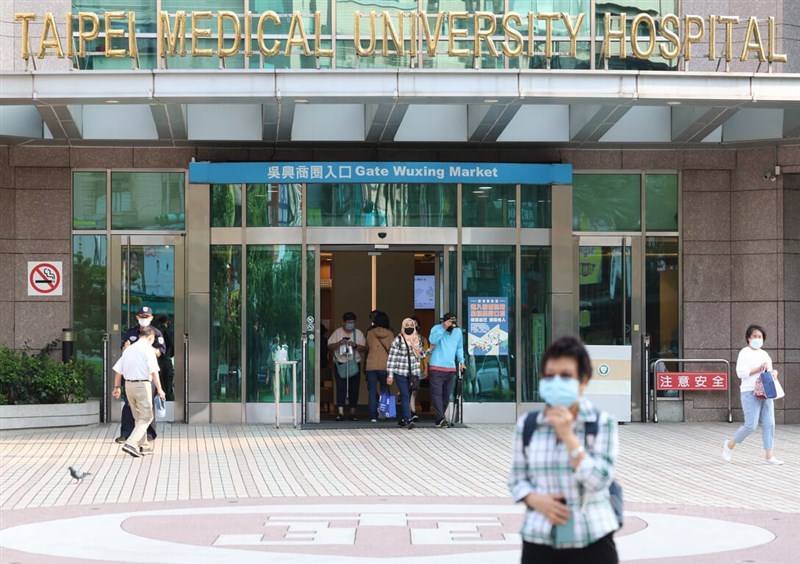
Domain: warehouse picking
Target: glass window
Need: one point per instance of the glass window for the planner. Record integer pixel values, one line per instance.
(489, 272)
(606, 202)
(632, 8)
(561, 49)
(535, 206)
(274, 319)
(226, 323)
(89, 275)
(605, 294)
(314, 349)
(147, 200)
(89, 200)
(662, 282)
(95, 49)
(273, 205)
(661, 202)
(488, 205)
(381, 205)
(535, 330)
(226, 205)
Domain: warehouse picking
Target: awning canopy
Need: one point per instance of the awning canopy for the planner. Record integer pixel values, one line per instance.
(556, 108)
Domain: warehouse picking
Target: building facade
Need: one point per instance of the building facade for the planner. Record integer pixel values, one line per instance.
(525, 164)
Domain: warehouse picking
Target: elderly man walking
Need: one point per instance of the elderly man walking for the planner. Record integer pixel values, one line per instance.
(139, 366)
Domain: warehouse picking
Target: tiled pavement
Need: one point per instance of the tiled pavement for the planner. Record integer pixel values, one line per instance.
(667, 470)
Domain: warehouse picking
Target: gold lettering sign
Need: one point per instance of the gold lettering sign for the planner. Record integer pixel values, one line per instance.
(406, 33)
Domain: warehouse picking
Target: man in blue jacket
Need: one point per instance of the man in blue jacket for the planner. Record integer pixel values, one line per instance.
(448, 348)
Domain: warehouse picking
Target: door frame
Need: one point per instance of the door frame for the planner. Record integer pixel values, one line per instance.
(442, 273)
(635, 243)
(114, 310)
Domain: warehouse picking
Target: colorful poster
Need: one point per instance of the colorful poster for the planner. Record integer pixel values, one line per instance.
(487, 327)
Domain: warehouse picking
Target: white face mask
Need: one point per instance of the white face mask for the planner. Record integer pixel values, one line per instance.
(144, 322)
(756, 343)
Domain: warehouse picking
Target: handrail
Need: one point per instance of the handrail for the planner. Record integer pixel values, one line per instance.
(692, 360)
(186, 377)
(105, 403)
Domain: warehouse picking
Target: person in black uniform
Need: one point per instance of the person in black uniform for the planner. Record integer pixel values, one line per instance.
(145, 317)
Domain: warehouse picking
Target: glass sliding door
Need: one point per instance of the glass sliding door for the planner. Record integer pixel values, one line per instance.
(604, 280)
(147, 270)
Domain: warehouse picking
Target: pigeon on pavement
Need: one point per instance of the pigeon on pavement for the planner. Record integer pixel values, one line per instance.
(78, 475)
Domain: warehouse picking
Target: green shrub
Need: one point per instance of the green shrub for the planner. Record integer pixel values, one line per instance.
(27, 378)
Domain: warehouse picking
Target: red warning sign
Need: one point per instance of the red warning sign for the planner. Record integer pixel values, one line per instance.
(44, 278)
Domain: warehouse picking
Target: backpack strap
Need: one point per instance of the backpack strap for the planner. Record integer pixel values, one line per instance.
(528, 428)
(531, 422)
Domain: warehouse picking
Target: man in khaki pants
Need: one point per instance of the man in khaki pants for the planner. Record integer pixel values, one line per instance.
(139, 366)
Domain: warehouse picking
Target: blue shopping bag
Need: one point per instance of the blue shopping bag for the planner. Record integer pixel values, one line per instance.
(387, 406)
(767, 386)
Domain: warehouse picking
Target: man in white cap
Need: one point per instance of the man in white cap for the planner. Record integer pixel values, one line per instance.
(132, 335)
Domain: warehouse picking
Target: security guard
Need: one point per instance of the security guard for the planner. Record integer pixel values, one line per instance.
(145, 317)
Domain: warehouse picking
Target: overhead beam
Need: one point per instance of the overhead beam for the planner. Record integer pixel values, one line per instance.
(791, 124)
(590, 122)
(692, 124)
(486, 122)
(382, 120)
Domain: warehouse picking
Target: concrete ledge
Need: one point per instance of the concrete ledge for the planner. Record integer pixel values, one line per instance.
(49, 415)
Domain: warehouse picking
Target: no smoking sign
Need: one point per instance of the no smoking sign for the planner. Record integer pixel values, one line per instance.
(44, 278)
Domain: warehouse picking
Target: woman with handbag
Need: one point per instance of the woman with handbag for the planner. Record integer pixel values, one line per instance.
(752, 361)
(403, 366)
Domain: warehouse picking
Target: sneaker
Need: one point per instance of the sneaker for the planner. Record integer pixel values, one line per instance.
(373, 420)
(146, 450)
(442, 424)
(773, 461)
(410, 425)
(131, 450)
(727, 452)
(353, 418)
(414, 417)
(402, 423)
(340, 417)
(120, 439)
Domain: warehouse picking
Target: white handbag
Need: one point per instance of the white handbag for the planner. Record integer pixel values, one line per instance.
(779, 389)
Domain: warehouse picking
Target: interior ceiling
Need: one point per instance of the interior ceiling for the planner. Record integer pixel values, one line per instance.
(552, 108)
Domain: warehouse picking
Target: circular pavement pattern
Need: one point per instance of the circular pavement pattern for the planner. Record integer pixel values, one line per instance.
(363, 530)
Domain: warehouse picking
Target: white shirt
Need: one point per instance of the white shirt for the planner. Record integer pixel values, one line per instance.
(749, 359)
(138, 361)
(338, 335)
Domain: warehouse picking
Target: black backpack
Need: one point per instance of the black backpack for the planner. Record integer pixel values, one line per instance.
(614, 490)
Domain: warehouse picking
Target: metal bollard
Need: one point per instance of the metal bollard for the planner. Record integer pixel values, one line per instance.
(67, 344)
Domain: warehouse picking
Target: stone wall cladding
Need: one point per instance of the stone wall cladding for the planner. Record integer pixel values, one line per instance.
(740, 243)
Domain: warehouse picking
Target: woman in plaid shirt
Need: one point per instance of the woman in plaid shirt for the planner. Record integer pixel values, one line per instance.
(564, 485)
(404, 357)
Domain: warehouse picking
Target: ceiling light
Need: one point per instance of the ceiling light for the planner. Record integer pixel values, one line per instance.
(484, 187)
(673, 103)
(301, 101)
(477, 192)
(112, 101)
(490, 101)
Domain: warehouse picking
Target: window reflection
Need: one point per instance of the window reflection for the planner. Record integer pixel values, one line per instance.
(662, 282)
(381, 205)
(489, 272)
(147, 200)
(226, 331)
(273, 205)
(274, 316)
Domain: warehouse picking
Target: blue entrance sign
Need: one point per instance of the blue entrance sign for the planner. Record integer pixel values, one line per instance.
(487, 327)
(364, 172)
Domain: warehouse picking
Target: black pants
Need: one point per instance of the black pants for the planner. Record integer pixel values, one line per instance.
(127, 424)
(603, 551)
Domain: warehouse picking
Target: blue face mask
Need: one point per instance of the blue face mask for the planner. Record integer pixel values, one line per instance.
(349, 326)
(558, 391)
